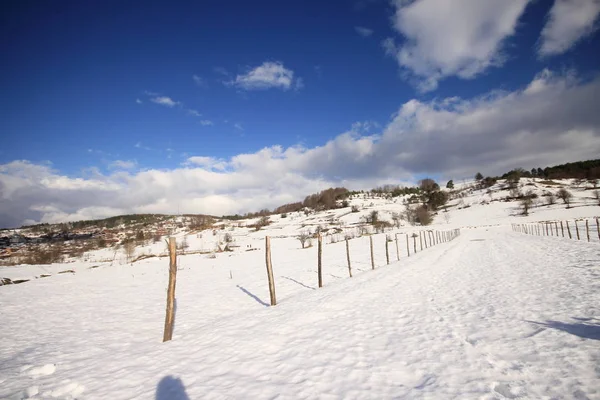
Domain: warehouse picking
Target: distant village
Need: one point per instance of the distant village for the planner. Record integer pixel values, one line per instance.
(20, 245)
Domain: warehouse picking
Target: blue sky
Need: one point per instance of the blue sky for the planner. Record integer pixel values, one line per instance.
(105, 96)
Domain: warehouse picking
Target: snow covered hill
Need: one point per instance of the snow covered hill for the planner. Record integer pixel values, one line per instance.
(492, 314)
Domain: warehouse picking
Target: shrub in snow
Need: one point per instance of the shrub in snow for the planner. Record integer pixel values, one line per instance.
(565, 196)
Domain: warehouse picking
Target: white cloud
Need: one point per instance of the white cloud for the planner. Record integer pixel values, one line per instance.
(362, 31)
(164, 101)
(199, 81)
(194, 113)
(238, 126)
(123, 164)
(138, 101)
(551, 120)
(206, 122)
(568, 22)
(444, 38)
(266, 76)
(139, 145)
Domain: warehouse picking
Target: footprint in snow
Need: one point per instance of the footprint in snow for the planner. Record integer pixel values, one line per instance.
(508, 391)
(44, 370)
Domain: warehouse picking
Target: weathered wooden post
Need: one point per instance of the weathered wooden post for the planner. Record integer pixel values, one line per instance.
(170, 315)
(319, 264)
(270, 270)
(598, 228)
(425, 238)
(562, 229)
(587, 230)
(387, 251)
(372, 257)
(415, 242)
(407, 246)
(348, 257)
(546, 228)
(556, 227)
(421, 240)
(569, 230)
(577, 230)
(397, 248)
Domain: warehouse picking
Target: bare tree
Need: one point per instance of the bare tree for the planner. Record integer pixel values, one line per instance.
(303, 238)
(373, 217)
(447, 217)
(597, 196)
(129, 249)
(550, 199)
(424, 217)
(396, 217)
(526, 203)
(565, 196)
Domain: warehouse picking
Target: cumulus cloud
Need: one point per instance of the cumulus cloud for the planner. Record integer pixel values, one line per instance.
(443, 38)
(551, 120)
(568, 22)
(268, 75)
(206, 122)
(164, 101)
(362, 31)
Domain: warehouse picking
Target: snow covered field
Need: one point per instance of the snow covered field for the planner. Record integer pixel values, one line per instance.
(493, 314)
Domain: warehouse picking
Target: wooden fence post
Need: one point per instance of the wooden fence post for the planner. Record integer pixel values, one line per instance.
(407, 246)
(319, 265)
(170, 314)
(587, 230)
(415, 242)
(270, 270)
(348, 257)
(577, 230)
(598, 228)
(569, 230)
(372, 258)
(431, 239)
(425, 238)
(556, 227)
(387, 251)
(397, 248)
(562, 229)
(546, 228)
(421, 240)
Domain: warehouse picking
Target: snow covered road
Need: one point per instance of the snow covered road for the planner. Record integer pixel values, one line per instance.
(493, 314)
